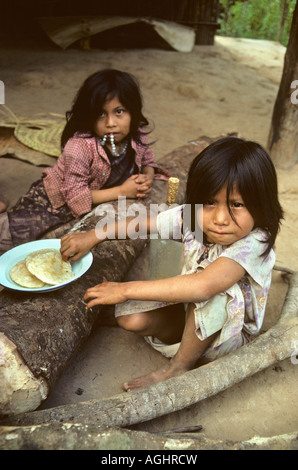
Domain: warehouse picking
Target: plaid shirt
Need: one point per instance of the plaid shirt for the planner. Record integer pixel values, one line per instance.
(84, 166)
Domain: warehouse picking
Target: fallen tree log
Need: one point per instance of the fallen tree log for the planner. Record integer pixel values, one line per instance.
(126, 409)
(70, 436)
(40, 333)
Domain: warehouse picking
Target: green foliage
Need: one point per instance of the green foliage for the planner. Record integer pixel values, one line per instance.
(257, 19)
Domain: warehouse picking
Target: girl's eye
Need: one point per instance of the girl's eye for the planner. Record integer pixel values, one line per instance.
(237, 204)
(120, 111)
(209, 203)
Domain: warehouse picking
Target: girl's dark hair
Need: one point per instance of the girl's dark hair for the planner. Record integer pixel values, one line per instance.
(91, 97)
(246, 164)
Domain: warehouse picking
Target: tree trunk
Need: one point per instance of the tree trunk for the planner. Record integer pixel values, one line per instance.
(284, 10)
(90, 437)
(42, 332)
(283, 136)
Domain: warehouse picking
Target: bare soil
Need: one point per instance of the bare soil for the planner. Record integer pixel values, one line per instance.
(228, 87)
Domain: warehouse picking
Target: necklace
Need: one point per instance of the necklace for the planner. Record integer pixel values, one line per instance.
(205, 253)
(114, 152)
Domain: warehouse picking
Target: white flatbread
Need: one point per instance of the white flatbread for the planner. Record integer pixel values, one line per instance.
(21, 276)
(39, 252)
(48, 266)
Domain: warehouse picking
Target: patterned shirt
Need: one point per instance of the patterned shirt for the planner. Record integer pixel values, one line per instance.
(122, 167)
(245, 301)
(84, 166)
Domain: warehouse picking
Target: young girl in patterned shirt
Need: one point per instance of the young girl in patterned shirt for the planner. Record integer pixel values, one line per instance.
(218, 301)
(105, 155)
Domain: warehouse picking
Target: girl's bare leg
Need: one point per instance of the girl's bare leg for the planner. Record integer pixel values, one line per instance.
(189, 352)
(166, 323)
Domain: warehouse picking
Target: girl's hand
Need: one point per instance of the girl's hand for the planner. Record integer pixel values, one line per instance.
(107, 293)
(76, 245)
(136, 186)
(130, 188)
(145, 183)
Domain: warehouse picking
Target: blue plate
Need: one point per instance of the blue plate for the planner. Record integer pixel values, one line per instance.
(13, 256)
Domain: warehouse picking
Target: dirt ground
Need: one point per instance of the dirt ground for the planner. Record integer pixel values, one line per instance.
(228, 87)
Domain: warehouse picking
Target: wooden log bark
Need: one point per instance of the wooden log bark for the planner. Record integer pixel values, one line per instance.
(44, 331)
(283, 136)
(69, 436)
(127, 409)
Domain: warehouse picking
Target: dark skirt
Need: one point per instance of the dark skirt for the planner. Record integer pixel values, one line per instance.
(33, 217)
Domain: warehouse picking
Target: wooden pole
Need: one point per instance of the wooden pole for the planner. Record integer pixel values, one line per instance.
(70, 436)
(283, 136)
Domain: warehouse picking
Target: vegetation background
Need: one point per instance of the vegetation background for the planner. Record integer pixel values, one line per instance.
(256, 19)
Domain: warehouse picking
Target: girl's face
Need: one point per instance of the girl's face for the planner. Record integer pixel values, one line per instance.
(113, 119)
(218, 225)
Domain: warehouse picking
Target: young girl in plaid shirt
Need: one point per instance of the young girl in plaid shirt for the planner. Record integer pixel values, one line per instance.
(105, 155)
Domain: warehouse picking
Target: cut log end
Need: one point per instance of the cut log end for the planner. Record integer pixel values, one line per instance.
(20, 391)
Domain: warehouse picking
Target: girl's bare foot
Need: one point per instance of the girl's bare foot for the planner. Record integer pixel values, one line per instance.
(159, 375)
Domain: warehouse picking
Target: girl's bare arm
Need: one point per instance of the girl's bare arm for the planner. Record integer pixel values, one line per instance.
(76, 245)
(149, 172)
(196, 287)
